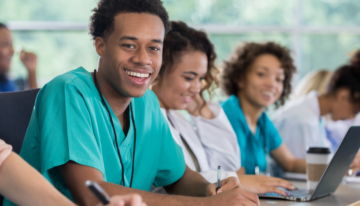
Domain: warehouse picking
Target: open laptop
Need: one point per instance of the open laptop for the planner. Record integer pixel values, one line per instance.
(333, 174)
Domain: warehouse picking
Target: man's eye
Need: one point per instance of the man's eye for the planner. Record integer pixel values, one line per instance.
(130, 46)
(261, 74)
(155, 48)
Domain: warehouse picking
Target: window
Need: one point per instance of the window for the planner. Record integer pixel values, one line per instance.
(321, 33)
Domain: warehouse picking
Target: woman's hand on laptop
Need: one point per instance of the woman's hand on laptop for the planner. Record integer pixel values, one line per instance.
(261, 184)
(355, 165)
(5, 151)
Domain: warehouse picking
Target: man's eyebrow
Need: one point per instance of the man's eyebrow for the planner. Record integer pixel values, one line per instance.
(135, 39)
(129, 38)
(157, 41)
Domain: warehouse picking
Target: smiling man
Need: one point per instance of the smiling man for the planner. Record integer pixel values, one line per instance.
(106, 126)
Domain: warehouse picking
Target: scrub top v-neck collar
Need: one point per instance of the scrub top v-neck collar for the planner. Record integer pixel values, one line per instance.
(123, 140)
(242, 118)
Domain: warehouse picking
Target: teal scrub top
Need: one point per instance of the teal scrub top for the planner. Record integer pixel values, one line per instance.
(70, 123)
(253, 148)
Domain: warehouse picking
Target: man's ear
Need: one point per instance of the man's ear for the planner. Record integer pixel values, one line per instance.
(100, 46)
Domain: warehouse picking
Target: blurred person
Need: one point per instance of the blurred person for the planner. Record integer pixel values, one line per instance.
(256, 76)
(107, 126)
(301, 122)
(6, 53)
(335, 131)
(207, 140)
(317, 80)
(23, 185)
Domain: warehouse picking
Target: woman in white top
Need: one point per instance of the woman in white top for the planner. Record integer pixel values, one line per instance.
(335, 130)
(23, 185)
(301, 122)
(187, 71)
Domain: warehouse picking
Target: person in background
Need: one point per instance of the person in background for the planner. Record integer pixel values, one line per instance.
(107, 126)
(6, 53)
(317, 80)
(24, 186)
(256, 76)
(335, 130)
(301, 122)
(206, 138)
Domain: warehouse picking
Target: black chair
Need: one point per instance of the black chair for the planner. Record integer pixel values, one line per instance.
(15, 112)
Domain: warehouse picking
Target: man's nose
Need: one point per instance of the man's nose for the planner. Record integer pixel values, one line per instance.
(142, 57)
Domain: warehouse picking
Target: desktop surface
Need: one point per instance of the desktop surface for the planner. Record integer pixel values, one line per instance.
(345, 194)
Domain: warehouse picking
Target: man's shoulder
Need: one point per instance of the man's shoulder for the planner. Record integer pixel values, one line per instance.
(73, 83)
(77, 75)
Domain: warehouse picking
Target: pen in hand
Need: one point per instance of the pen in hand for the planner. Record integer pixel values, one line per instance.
(98, 192)
(218, 178)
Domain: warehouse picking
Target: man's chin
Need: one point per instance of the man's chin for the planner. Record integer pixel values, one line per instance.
(136, 93)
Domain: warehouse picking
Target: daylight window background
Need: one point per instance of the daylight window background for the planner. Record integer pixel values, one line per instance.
(322, 34)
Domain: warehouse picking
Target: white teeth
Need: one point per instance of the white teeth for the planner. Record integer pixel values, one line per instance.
(136, 74)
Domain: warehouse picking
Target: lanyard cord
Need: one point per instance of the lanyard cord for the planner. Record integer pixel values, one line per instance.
(117, 146)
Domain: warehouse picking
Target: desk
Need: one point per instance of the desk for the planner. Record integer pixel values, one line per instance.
(344, 195)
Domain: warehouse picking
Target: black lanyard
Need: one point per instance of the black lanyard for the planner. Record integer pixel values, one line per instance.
(117, 146)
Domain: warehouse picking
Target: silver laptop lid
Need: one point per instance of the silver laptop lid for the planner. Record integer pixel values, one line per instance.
(339, 164)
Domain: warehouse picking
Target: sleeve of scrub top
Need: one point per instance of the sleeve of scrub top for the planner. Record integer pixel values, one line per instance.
(171, 164)
(219, 140)
(66, 129)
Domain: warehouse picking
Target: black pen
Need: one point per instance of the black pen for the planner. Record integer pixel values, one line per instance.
(98, 192)
(218, 178)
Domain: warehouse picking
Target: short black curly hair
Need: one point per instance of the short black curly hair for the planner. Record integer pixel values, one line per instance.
(102, 21)
(238, 65)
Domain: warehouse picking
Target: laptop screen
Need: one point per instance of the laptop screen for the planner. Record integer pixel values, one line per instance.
(340, 163)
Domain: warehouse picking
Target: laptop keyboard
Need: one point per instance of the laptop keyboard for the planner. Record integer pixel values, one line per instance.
(300, 192)
(294, 193)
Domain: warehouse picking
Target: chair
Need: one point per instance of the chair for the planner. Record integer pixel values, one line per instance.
(15, 113)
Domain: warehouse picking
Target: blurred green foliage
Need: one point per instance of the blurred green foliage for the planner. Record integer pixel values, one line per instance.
(61, 51)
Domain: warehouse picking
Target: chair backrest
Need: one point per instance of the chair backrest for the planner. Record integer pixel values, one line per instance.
(15, 112)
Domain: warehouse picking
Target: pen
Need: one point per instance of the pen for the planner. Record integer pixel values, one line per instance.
(218, 178)
(98, 192)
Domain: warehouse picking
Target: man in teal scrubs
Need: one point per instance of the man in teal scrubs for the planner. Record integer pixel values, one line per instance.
(106, 126)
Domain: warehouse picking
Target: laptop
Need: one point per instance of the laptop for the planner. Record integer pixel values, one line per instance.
(333, 174)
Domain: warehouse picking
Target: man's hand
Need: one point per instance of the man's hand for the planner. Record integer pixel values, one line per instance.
(225, 185)
(234, 197)
(5, 151)
(261, 184)
(126, 200)
(29, 60)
